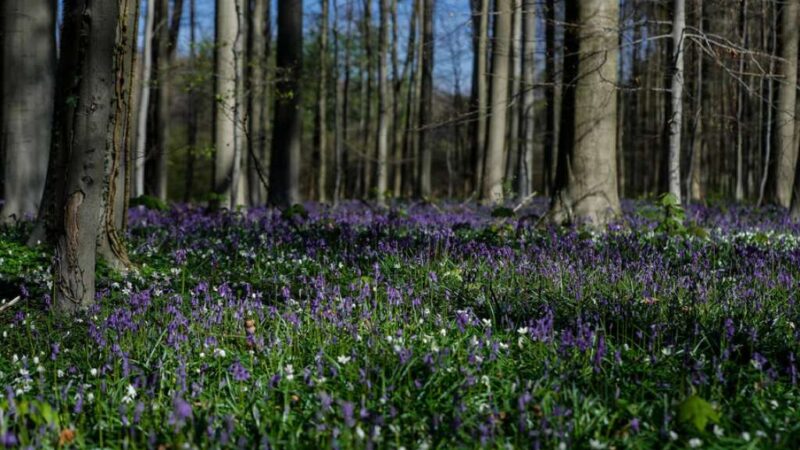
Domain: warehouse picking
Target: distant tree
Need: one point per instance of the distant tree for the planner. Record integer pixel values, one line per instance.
(480, 90)
(525, 163)
(586, 178)
(426, 101)
(258, 79)
(288, 125)
(676, 93)
(321, 119)
(384, 104)
(28, 61)
(140, 154)
(226, 95)
(785, 148)
(494, 167)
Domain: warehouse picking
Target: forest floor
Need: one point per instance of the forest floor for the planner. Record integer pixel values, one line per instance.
(415, 327)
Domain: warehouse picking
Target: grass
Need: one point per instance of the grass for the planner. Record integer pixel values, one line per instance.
(414, 328)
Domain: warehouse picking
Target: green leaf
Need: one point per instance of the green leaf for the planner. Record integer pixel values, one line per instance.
(698, 412)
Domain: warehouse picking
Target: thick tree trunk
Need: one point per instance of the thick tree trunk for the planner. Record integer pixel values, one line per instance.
(525, 164)
(90, 76)
(480, 90)
(494, 167)
(28, 61)
(785, 150)
(587, 172)
(225, 99)
(426, 101)
(322, 108)
(288, 127)
(676, 98)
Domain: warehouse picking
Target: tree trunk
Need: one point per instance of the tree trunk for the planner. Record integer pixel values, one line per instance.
(693, 183)
(676, 94)
(785, 150)
(426, 101)
(239, 178)
(140, 154)
(494, 167)
(89, 75)
(158, 115)
(525, 164)
(257, 106)
(225, 99)
(396, 85)
(384, 104)
(191, 122)
(288, 128)
(550, 97)
(513, 116)
(480, 90)
(740, 106)
(321, 116)
(587, 172)
(28, 59)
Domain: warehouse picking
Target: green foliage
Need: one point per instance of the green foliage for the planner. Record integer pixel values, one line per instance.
(503, 211)
(673, 219)
(697, 412)
(296, 210)
(149, 202)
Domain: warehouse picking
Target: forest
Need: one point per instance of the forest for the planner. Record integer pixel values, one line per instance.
(404, 224)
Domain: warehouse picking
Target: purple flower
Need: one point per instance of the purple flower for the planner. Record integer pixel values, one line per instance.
(347, 413)
(9, 440)
(181, 411)
(238, 372)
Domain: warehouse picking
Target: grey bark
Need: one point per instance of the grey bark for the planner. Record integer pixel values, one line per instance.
(480, 90)
(28, 59)
(158, 128)
(676, 98)
(288, 125)
(90, 76)
(139, 155)
(225, 96)
(494, 168)
(384, 104)
(426, 100)
(513, 138)
(587, 174)
(785, 150)
(525, 164)
(257, 100)
(322, 107)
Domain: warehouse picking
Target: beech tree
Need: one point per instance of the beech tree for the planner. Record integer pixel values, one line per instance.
(586, 176)
(28, 61)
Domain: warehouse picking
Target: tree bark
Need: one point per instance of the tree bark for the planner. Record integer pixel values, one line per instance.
(740, 106)
(480, 90)
(384, 104)
(28, 61)
(288, 125)
(158, 115)
(494, 167)
(140, 154)
(90, 76)
(676, 98)
(513, 137)
(785, 150)
(322, 116)
(550, 132)
(525, 164)
(257, 106)
(225, 99)
(426, 101)
(587, 172)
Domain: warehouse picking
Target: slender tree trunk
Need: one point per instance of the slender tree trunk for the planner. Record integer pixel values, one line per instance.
(140, 155)
(512, 149)
(587, 173)
(768, 126)
(480, 90)
(288, 128)
(676, 94)
(158, 115)
(785, 150)
(240, 114)
(396, 146)
(494, 167)
(384, 104)
(740, 106)
(90, 75)
(191, 123)
(426, 101)
(367, 158)
(257, 100)
(693, 182)
(525, 164)
(342, 101)
(322, 107)
(28, 63)
(550, 97)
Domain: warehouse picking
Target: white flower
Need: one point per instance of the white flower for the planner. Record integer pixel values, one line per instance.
(695, 442)
(219, 353)
(523, 330)
(60, 373)
(673, 436)
(90, 397)
(562, 446)
(443, 332)
(487, 323)
(93, 372)
(596, 445)
(343, 359)
(130, 395)
(360, 433)
(36, 360)
(761, 434)
(503, 345)
(718, 431)
(773, 404)
(745, 436)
